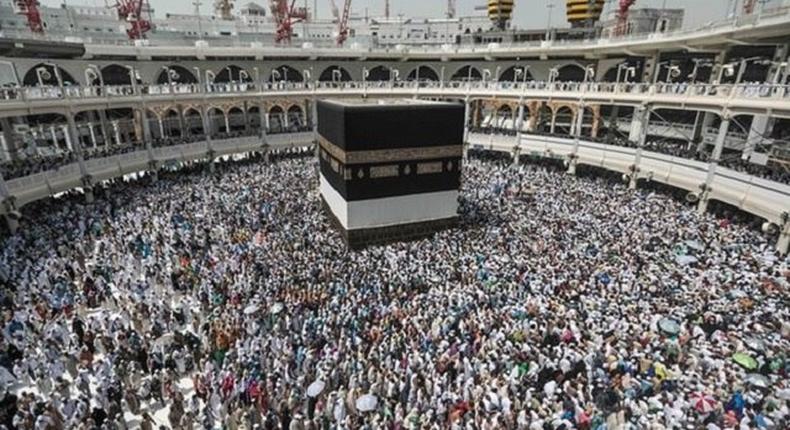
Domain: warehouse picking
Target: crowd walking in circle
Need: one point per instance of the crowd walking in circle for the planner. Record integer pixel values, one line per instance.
(225, 300)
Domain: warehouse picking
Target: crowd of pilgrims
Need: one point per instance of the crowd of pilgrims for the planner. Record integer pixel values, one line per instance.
(225, 300)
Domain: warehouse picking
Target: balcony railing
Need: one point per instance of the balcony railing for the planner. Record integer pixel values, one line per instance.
(751, 91)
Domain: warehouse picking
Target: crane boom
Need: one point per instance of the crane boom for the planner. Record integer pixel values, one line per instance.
(342, 25)
(131, 11)
(285, 16)
(29, 8)
(622, 17)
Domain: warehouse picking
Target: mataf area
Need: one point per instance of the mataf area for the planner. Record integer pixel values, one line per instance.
(207, 300)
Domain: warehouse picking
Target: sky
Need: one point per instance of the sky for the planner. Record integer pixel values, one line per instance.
(527, 13)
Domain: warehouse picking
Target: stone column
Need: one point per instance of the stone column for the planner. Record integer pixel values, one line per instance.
(714, 163)
(613, 123)
(553, 121)
(5, 198)
(762, 126)
(116, 132)
(6, 140)
(92, 135)
(204, 117)
(264, 122)
(104, 128)
(87, 183)
(54, 134)
(161, 127)
(467, 112)
(246, 117)
(67, 136)
(519, 122)
(576, 131)
(640, 123)
(783, 243)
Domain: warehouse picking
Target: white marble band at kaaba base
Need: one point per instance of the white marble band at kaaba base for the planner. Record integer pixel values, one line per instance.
(390, 211)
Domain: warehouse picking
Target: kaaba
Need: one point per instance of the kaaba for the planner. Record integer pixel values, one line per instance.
(390, 170)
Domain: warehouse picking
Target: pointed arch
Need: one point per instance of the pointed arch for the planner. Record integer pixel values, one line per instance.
(516, 74)
(334, 73)
(232, 73)
(178, 75)
(379, 74)
(570, 73)
(285, 73)
(467, 73)
(46, 74)
(423, 73)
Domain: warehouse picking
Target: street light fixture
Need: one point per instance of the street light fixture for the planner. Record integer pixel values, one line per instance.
(698, 63)
(96, 72)
(554, 73)
(673, 72)
(132, 78)
(629, 70)
(589, 73)
(779, 68)
(42, 73)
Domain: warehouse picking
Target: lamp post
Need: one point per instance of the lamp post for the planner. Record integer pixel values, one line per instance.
(275, 75)
(554, 72)
(132, 78)
(525, 73)
(697, 65)
(620, 68)
(57, 73)
(744, 63)
(171, 74)
(658, 70)
(673, 72)
(210, 77)
(97, 75)
(42, 71)
(199, 74)
(780, 66)
(589, 73)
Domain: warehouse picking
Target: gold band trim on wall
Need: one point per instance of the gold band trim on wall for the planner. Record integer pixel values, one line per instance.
(389, 155)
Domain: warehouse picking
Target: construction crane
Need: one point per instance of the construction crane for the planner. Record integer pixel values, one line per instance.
(342, 23)
(499, 12)
(223, 9)
(29, 8)
(621, 23)
(131, 11)
(286, 15)
(450, 8)
(748, 6)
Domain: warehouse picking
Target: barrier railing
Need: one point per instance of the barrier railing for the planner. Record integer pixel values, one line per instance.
(763, 91)
(762, 197)
(36, 186)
